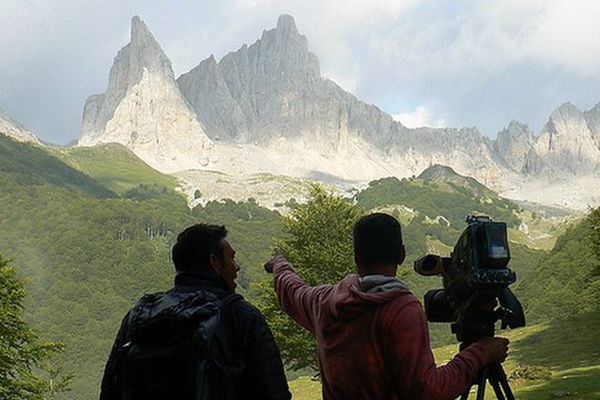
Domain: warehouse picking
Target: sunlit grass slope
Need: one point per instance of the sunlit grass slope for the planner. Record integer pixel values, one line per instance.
(114, 166)
(566, 350)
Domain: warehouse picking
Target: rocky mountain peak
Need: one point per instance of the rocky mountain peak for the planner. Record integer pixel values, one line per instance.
(207, 66)
(515, 129)
(565, 144)
(594, 111)
(446, 175)
(139, 30)
(286, 25)
(565, 113)
(258, 91)
(593, 119)
(566, 121)
(513, 143)
(285, 40)
(143, 51)
(141, 56)
(143, 108)
(438, 173)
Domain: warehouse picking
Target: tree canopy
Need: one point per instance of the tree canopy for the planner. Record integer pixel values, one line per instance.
(318, 242)
(24, 370)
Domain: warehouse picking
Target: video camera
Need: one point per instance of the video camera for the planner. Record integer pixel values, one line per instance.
(475, 279)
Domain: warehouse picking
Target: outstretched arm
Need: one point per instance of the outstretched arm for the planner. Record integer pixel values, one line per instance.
(297, 299)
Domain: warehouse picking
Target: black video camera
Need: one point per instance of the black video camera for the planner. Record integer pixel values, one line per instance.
(476, 279)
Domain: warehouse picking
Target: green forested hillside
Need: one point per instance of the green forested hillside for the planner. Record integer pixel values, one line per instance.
(87, 258)
(433, 198)
(25, 165)
(90, 230)
(566, 281)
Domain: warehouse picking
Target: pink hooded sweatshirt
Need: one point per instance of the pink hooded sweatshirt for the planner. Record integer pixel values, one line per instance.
(373, 345)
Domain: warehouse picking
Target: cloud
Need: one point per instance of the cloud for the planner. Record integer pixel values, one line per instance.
(420, 117)
(482, 63)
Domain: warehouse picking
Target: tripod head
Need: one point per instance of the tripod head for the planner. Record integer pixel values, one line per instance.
(477, 317)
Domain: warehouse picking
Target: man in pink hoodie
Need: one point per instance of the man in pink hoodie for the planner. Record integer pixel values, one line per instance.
(371, 331)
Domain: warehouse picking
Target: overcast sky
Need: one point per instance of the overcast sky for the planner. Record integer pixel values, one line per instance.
(435, 63)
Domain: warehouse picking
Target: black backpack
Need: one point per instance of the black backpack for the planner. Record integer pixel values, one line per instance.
(171, 351)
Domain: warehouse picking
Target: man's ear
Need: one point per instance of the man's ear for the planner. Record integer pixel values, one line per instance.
(402, 254)
(215, 263)
(358, 261)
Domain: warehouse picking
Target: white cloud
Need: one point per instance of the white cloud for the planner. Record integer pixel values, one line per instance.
(567, 34)
(420, 117)
(484, 36)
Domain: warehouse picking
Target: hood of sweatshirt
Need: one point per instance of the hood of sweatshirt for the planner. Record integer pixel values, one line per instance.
(354, 296)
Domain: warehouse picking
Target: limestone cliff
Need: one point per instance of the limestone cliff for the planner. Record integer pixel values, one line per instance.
(513, 144)
(143, 109)
(565, 145)
(265, 108)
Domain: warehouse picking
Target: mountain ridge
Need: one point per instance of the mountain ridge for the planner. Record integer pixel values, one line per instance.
(265, 108)
(11, 128)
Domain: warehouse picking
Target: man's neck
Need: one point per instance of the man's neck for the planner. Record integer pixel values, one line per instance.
(385, 270)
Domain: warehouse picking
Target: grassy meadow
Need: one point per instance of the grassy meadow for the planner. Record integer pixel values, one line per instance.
(559, 359)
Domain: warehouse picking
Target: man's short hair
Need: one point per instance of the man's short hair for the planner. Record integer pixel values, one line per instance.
(194, 246)
(378, 239)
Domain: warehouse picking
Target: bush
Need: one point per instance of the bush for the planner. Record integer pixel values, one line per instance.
(530, 373)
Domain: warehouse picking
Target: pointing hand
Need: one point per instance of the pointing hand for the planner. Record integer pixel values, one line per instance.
(278, 257)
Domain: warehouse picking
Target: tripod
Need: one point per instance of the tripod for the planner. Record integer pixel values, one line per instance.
(475, 324)
(495, 375)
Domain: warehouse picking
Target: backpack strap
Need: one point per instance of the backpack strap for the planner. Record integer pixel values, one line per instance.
(206, 332)
(208, 327)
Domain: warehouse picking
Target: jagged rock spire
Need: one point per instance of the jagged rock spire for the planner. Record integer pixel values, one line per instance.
(513, 143)
(564, 145)
(286, 25)
(143, 109)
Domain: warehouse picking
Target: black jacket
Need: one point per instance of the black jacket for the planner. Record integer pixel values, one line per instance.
(247, 343)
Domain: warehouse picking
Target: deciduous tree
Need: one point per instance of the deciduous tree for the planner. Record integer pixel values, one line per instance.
(318, 243)
(24, 370)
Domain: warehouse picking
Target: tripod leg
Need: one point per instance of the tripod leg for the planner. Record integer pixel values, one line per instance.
(500, 377)
(481, 384)
(481, 390)
(497, 389)
(465, 395)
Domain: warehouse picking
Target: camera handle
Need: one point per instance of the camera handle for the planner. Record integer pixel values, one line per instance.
(495, 374)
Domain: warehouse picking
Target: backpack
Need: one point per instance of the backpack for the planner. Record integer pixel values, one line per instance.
(171, 351)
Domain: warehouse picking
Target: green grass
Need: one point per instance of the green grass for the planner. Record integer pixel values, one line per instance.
(576, 383)
(402, 213)
(114, 166)
(541, 232)
(305, 388)
(568, 349)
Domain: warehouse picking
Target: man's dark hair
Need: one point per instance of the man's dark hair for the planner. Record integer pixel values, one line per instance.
(378, 239)
(195, 245)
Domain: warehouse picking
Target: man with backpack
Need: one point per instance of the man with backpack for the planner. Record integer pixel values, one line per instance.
(371, 331)
(199, 340)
